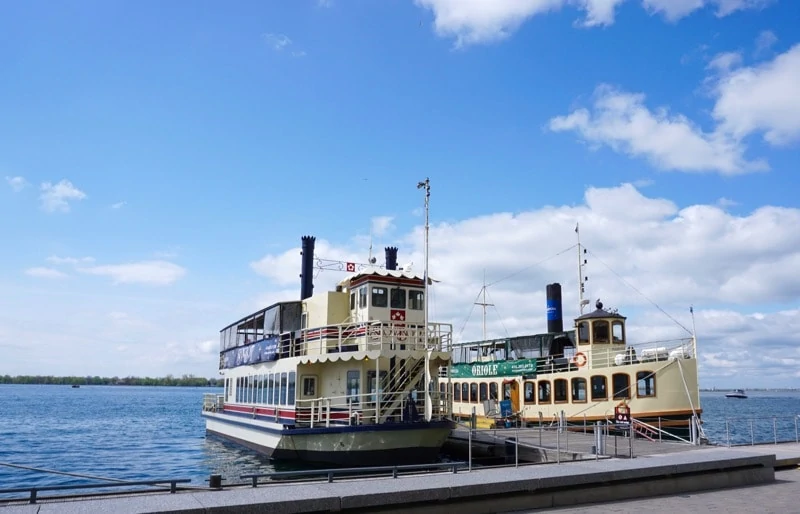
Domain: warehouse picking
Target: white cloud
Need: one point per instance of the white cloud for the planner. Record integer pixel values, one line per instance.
(765, 40)
(381, 225)
(56, 197)
(17, 183)
(43, 272)
(280, 42)
(54, 259)
(761, 98)
(622, 121)
(748, 100)
(726, 265)
(277, 41)
(674, 10)
(722, 63)
(486, 21)
(157, 273)
(726, 202)
(118, 205)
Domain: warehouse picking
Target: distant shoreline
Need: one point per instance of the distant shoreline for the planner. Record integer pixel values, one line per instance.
(750, 389)
(169, 380)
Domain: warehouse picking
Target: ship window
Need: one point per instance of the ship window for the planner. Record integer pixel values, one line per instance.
(416, 300)
(473, 393)
(398, 298)
(284, 388)
(464, 392)
(618, 332)
(457, 392)
(484, 392)
(270, 387)
(237, 390)
(380, 297)
(352, 300)
(362, 297)
(599, 391)
(310, 387)
(373, 384)
(600, 331)
(583, 332)
(578, 389)
(507, 390)
(622, 386)
(560, 390)
(291, 387)
(645, 384)
(353, 386)
(530, 394)
(544, 391)
(493, 391)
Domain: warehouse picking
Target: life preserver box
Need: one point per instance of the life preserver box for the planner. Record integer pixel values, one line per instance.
(579, 359)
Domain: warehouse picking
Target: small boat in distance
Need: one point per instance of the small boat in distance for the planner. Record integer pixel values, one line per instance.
(75, 386)
(737, 393)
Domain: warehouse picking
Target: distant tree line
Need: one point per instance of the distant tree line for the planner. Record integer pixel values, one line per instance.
(169, 380)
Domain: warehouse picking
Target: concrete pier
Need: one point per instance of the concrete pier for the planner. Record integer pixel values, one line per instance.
(506, 489)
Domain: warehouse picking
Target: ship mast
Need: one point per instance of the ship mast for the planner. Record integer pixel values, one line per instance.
(426, 185)
(484, 304)
(581, 278)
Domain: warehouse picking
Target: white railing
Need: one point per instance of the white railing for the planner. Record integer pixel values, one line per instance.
(657, 351)
(375, 335)
(213, 402)
(369, 408)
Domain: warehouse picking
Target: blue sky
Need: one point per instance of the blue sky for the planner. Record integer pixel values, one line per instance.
(161, 161)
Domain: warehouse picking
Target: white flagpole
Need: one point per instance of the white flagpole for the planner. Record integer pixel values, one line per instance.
(428, 405)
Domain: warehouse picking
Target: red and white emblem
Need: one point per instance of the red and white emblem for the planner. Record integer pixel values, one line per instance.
(351, 267)
(400, 328)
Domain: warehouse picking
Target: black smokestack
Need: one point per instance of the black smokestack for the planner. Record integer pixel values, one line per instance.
(391, 257)
(555, 323)
(307, 267)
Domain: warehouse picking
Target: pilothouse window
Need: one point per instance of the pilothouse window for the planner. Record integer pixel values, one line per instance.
(583, 332)
(362, 297)
(398, 298)
(600, 331)
(416, 300)
(380, 297)
(618, 332)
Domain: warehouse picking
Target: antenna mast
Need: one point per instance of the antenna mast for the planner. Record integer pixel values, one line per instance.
(484, 304)
(581, 278)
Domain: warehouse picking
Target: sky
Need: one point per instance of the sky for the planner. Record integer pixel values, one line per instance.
(160, 162)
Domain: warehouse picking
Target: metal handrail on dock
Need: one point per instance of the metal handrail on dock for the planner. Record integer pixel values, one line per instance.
(360, 472)
(34, 491)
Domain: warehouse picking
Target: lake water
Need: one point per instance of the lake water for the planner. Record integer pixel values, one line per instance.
(154, 433)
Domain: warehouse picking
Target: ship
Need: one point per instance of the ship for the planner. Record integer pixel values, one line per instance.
(347, 377)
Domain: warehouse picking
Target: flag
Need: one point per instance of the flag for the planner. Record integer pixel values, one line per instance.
(691, 309)
(576, 228)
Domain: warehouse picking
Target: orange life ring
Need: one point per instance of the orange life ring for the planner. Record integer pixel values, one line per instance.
(579, 359)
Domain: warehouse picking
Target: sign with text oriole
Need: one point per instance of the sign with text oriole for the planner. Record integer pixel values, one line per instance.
(525, 367)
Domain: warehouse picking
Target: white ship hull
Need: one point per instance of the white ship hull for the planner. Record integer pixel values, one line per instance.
(358, 445)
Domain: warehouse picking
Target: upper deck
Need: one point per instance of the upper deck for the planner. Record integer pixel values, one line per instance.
(371, 309)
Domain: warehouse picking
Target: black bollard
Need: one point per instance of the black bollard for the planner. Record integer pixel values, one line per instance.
(215, 481)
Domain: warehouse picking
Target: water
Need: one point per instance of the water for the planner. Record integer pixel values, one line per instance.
(156, 433)
(130, 433)
(762, 417)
